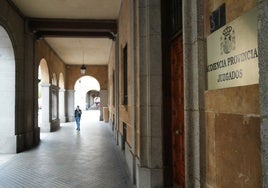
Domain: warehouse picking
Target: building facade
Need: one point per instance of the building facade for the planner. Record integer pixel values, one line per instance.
(186, 87)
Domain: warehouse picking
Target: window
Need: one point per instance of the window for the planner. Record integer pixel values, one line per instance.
(125, 76)
(124, 136)
(113, 88)
(174, 17)
(217, 18)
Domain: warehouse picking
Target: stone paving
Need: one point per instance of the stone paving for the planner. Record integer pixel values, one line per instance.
(67, 158)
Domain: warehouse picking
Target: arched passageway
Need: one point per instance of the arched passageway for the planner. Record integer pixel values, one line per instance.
(82, 86)
(54, 98)
(43, 96)
(62, 114)
(7, 93)
(43, 72)
(93, 99)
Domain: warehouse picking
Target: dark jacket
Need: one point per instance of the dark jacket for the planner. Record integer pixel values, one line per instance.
(77, 113)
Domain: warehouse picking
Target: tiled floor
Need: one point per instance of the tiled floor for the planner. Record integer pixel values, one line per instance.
(67, 158)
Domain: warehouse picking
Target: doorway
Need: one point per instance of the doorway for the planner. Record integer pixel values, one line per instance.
(177, 113)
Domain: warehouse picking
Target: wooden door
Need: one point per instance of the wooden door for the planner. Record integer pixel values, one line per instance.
(177, 109)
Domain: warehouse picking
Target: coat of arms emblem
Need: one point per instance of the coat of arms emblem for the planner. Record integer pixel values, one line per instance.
(227, 40)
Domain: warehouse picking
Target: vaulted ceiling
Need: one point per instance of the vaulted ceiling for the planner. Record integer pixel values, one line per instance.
(79, 31)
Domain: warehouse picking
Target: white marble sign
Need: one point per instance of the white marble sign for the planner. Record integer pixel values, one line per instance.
(232, 53)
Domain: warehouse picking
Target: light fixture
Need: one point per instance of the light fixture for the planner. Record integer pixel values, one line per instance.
(83, 69)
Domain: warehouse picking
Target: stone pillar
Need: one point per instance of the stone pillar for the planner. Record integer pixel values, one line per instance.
(45, 120)
(54, 107)
(131, 152)
(149, 166)
(263, 73)
(103, 101)
(62, 106)
(117, 94)
(194, 88)
(70, 105)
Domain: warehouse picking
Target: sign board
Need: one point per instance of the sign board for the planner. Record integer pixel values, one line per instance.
(232, 53)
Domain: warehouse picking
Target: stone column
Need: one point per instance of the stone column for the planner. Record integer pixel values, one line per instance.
(103, 101)
(149, 166)
(263, 73)
(117, 94)
(130, 153)
(62, 106)
(70, 105)
(194, 88)
(54, 118)
(45, 120)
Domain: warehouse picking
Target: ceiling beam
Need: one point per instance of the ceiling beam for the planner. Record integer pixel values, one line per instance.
(74, 34)
(73, 28)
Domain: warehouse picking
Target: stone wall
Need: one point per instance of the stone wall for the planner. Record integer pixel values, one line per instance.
(233, 10)
(124, 39)
(99, 72)
(233, 137)
(54, 63)
(71, 73)
(232, 123)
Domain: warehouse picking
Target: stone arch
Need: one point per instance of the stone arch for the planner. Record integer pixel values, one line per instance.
(82, 86)
(54, 79)
(43, 71)
(43, 96)
(61, 81)
(54, 96)
(62, 115)
(43, 77)
(100, 73)
(7, 92)
(92, 99)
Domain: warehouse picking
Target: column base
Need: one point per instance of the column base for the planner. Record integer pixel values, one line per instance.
(28, 140)
(63, 119)
(148, 177)
(70, 119)
(8, 144)
(45, 127)
(130, 160)
(50, 126)
(55, 125)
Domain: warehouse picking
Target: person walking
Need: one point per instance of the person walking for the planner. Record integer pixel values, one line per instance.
(77, 116)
